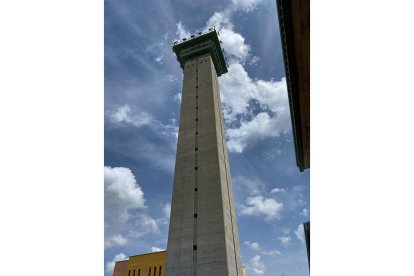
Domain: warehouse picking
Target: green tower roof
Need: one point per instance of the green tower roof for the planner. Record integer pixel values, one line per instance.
(207, 42)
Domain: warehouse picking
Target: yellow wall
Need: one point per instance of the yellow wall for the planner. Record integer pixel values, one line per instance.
(142, 264)
(244, 271)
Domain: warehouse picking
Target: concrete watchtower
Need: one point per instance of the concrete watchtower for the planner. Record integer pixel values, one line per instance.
(203, 237)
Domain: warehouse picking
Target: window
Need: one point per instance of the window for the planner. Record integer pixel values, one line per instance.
(155, 270)
(160, 271)
(129, 272)
(195, 215)
(195, 168)
(195, 189)
(133, 273)
(196, 149)
(139, 272)
(196, 133)
(149, 273)
(194, 247)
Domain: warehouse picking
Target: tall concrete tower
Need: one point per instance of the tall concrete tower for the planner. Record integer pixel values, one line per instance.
(203, 238)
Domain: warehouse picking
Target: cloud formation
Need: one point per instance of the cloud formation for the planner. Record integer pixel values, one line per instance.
(256, 247)
(261, 206)
(285, 240)
(277, 190)
(124, 206)
(143, 224)
(121, 189)
(181, 31)
(239, 93)
(111, 264)
(126, 115)
(115, 240)
(304, 213)
(156, 249)
(257, 266)
(246, 5)
(300, 234)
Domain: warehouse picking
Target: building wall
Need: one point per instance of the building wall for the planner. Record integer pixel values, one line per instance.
(139, 265)
(203, 237)
(152, 264)
(120, 268)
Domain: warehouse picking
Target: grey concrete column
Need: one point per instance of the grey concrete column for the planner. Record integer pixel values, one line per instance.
(203, 236)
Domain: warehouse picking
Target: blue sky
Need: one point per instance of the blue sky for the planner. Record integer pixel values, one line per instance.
(142, 99)
(51, 147)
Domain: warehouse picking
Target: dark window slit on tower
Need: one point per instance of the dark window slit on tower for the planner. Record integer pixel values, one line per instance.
(195, 189)
(155, 270)
(196, 148)
(195, 168)
(160, 271)
(149, 273)
(196, 133)
(194, 247)
(195, 215)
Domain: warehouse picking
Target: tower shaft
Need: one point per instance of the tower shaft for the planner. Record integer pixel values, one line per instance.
(203, 237)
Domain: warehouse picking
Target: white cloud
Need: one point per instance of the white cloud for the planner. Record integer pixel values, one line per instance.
(116, 240)
(122, 194)
(305, 212)
(246, 5)
(261, 206)
(121, 188)
(220, 20)
(257, 266)
(300, 233)
(285, 240)
(171, 78)
(234, 45)
(252, 245)
(167, 210)
(144, 224)
(260, 127)
(254, 61)
(177, 97)
(256, 247)
(159, 59)
(124, 114)
(247, 185)
(181, 31)
(277, 190)
(111, 264)
(156, 249)
(238, 90)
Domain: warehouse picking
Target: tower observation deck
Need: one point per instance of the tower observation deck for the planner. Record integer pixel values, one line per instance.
(203, 237)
